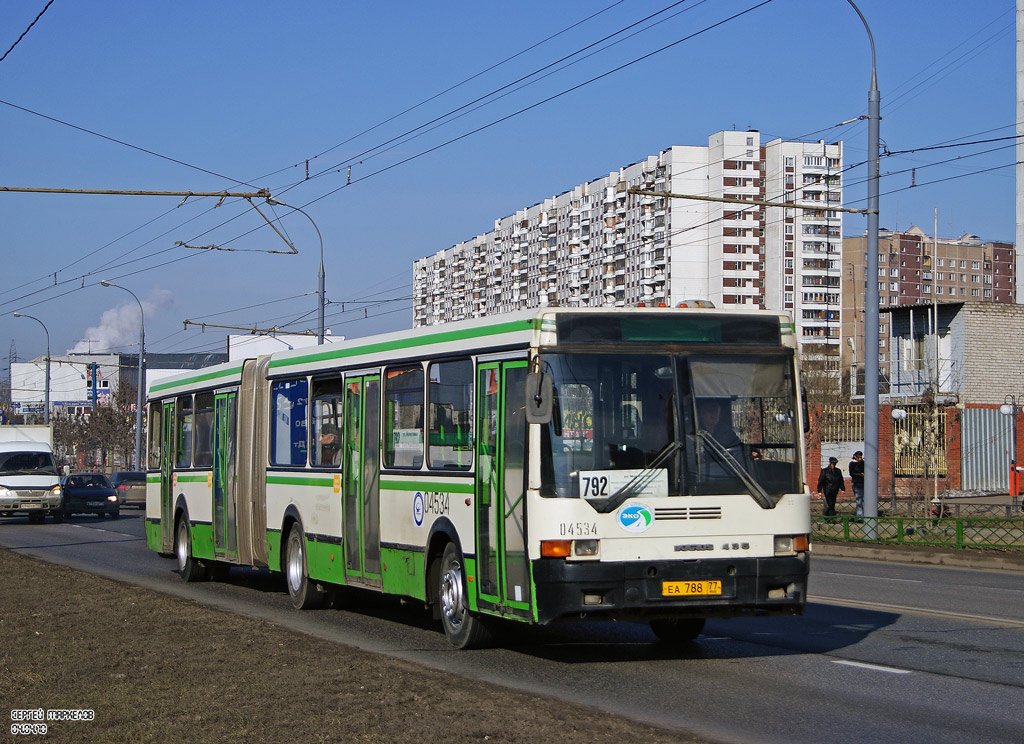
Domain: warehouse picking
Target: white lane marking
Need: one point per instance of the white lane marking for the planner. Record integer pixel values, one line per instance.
(873, 667)
(873, 578)
(997, 621)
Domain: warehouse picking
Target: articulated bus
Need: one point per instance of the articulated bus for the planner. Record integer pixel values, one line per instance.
(632, 464)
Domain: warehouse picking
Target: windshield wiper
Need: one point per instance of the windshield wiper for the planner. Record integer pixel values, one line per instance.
(637, 482)
(732, 464)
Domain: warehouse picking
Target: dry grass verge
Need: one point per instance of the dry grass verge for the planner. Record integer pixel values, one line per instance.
(156, 668)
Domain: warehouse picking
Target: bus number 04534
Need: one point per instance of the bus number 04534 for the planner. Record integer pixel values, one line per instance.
(578, 529)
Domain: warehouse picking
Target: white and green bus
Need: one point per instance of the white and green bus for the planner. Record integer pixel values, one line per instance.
(629, 464)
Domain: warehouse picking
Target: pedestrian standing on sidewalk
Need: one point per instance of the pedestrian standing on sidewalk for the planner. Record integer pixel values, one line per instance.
(857, 480)
(830, 483)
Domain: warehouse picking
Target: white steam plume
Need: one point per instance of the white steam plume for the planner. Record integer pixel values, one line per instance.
(119, 326)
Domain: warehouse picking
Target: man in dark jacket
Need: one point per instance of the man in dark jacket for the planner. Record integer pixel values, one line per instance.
(830, 483)
(857, 480)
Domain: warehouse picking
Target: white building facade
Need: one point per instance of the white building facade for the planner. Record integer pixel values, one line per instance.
(600, 245)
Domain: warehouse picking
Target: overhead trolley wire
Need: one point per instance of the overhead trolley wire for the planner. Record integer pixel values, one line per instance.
(448, 89)
(25, 32)
(402, 137)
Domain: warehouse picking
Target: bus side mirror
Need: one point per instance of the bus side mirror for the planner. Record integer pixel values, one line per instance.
(538, 398)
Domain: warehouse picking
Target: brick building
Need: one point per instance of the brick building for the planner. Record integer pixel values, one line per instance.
(914, 268)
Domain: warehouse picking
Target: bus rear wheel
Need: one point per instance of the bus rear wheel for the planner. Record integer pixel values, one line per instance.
(681, 630)
(304, 594)
(188, 567)
(463, 628)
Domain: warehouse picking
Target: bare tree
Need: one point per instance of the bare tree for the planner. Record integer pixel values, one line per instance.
(109, 429)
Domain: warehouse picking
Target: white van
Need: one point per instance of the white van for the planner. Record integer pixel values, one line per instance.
(29, 481)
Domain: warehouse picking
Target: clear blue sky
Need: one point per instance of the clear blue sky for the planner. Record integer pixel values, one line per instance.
(243, 94)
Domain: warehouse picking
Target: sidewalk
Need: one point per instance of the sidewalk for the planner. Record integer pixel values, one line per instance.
(990, 560)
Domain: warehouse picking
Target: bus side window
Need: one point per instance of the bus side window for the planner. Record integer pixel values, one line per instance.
(183, 431)
(203, 430)
(289, 400)
(328, 424)
(155, 420)
(449, 405)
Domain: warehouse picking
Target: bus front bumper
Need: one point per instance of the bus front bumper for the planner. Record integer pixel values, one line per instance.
(638, 590)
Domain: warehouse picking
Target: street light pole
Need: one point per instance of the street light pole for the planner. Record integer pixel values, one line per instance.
(274, 201)
(46, 383)
(871, 299)
(141, 374)
(1010, 408)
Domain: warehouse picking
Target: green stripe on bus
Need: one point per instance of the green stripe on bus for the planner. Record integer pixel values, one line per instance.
(293, 480)
(202, 540)
(193, 478)
(274, 550)
(403, 572)
(196, 379)
(154, 537)
(448, 486)
(325, 561)
(408, 343)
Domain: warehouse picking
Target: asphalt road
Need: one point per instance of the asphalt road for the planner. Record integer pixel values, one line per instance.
(887, 652)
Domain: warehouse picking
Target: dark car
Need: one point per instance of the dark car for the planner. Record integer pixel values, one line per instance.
(131, 488)
(89, 493)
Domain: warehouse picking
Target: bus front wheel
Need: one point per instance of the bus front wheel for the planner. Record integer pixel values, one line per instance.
(463, 628)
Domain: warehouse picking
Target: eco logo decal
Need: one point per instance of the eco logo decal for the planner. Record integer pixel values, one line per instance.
(417, 508)
(635, 517)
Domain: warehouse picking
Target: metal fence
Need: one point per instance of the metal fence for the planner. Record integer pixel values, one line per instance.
(924, 508)
(842, 423)
(919, 442)
(964, 532)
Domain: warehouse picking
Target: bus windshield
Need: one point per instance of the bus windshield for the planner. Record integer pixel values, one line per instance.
(626, 425)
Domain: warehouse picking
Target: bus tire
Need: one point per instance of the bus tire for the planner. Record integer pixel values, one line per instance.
(463, 628)
(304, 594)
(188, 567)
(680, 630)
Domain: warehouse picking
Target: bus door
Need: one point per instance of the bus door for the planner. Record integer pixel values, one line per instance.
(225, 536)
(166, 477)
(503, 570)
(361, 476)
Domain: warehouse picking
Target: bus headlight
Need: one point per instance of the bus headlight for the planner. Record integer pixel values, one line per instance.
(585, 548)
(790, 544)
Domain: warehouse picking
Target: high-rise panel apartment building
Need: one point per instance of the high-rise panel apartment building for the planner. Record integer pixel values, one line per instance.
(598, 244)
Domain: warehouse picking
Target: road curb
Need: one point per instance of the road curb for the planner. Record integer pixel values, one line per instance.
(958, 559)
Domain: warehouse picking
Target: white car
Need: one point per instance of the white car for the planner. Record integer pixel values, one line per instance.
(29, 481)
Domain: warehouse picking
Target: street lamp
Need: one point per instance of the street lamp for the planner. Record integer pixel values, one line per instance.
(275, 202)
(141, 374)
(1009, 408)
(46, 384)
(852, 342)
(871, 296)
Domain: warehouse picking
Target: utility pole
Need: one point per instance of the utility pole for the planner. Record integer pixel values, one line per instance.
(1019, 261)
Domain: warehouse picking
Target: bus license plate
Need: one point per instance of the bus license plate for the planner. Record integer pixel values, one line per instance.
(703, 588)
